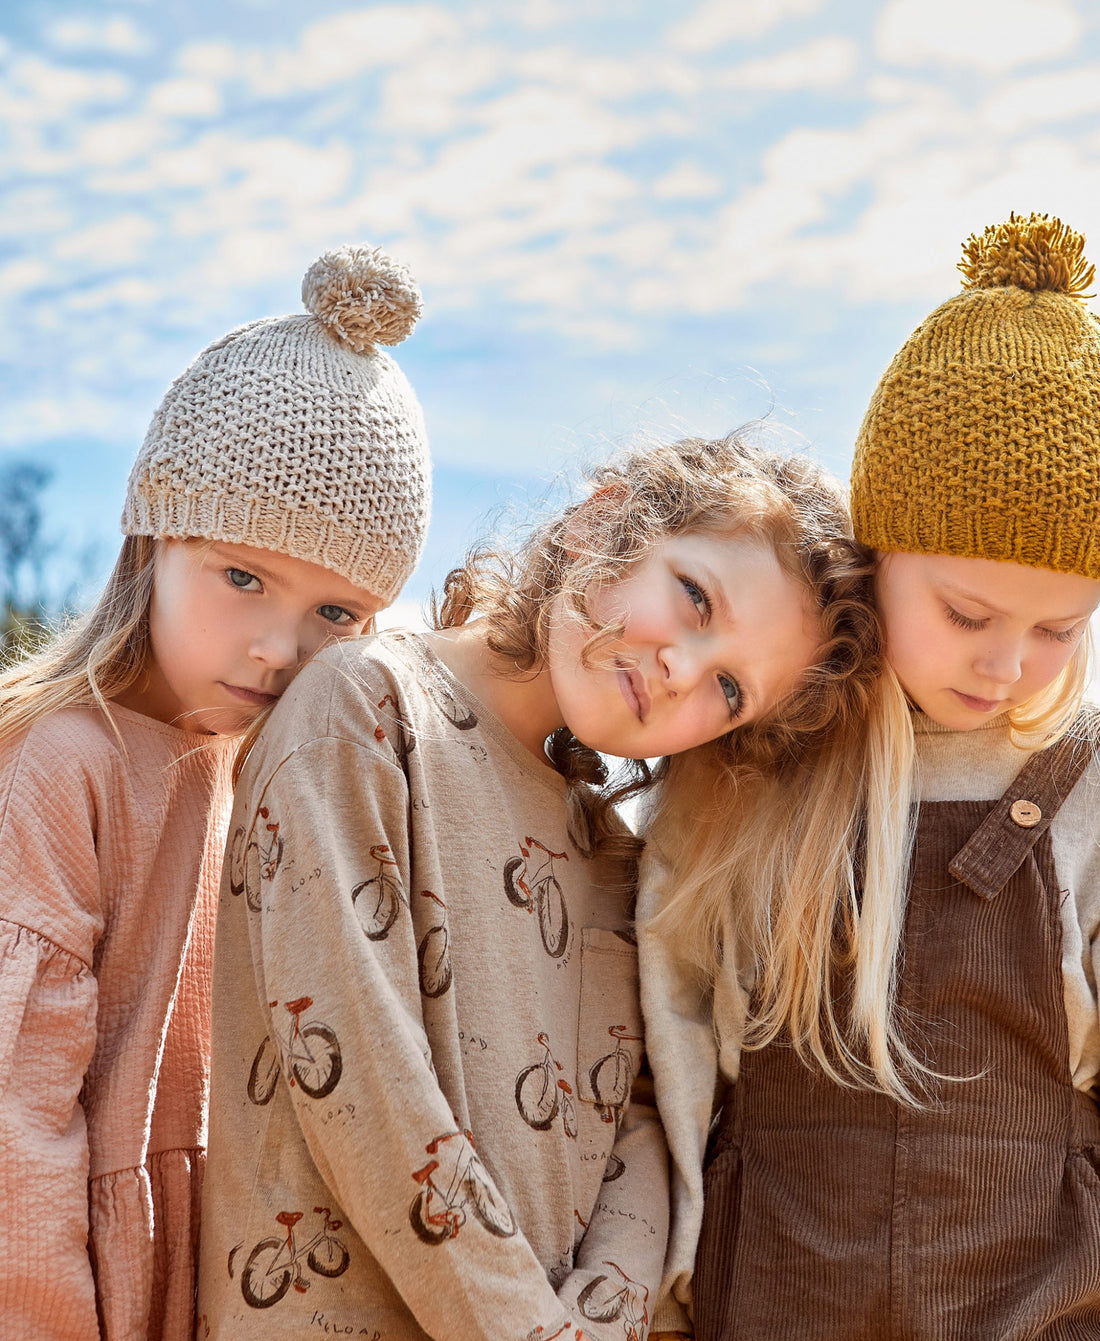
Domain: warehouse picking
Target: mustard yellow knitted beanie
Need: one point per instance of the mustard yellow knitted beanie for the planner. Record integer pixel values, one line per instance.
(298, 434)
(983, 437)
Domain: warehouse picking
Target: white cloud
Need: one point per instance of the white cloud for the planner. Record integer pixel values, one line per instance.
(119, 240)
(687, 181)
(185, 98)
(1045, 98)
(716, 22)
(116, 35)
(346, 45)
(822, 63)
(993, 36)
(56, 91)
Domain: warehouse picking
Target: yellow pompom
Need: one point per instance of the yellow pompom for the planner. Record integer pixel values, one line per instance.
(1037, 252)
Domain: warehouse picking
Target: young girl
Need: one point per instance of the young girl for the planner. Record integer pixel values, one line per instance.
(279, 501)
(909, 1144)
(426, 1018)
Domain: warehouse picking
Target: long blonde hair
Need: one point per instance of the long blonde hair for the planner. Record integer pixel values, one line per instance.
(96, 657)
(804, 868)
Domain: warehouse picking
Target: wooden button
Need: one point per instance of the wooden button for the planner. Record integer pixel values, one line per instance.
(1026, 814)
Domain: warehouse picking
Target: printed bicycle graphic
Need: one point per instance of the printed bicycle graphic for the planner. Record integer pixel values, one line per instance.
(605, 1299)
(540, 891)
(433, 956)
(612, 1076)
(541, 1094)
(274, 1264)
(450, 1185)
(269, 848)
(378, 900)
(310, 1051)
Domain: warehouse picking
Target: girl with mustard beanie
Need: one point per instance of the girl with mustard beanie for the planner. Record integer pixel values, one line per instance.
(279, 501)
(907, 1058)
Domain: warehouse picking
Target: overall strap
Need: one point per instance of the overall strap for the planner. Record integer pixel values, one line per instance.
(1025, 812)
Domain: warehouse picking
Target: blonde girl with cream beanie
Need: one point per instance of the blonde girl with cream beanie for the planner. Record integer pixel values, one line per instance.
(279, 501)
(907, 1060)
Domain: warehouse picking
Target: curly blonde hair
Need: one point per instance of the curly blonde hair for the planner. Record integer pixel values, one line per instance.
(727, 487)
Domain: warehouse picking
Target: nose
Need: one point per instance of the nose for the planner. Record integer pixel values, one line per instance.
(275, 645)
(682, 668)
(1001, 661)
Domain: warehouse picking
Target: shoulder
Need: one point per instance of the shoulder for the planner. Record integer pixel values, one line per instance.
(74, 744)
(359, 692)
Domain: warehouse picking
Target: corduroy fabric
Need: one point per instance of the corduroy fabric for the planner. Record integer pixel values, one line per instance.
(982, 439)
(834, 1214)
(283, 436)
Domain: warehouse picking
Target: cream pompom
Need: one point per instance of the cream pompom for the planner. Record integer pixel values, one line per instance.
(363, 296)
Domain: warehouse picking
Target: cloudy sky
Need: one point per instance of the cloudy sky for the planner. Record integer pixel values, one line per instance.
(627, 217)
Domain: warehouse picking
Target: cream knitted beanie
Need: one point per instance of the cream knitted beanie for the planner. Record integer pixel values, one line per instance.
(297, 434)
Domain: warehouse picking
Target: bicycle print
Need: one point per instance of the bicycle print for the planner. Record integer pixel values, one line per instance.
(540, 891)
(378, 900)
(275, 1264)
(433, 957)
(612, 1076)
(438, 1210)
(269, 849)
(310, 1053)
(604, 1300)
(541, 1094)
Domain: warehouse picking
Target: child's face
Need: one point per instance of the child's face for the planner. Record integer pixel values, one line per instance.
(230, 625)
(716, 633)
(970, 638)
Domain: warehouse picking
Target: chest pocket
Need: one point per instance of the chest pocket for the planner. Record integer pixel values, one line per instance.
(609, 1035)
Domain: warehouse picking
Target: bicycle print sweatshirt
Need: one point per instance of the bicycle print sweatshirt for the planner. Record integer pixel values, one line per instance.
(426, 1026)
(110, 854)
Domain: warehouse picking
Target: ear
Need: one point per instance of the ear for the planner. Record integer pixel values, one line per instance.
(590, 517)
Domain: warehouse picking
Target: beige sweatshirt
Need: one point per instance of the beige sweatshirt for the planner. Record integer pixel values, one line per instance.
(426, 1024)
(683, 1024)
(109, 864)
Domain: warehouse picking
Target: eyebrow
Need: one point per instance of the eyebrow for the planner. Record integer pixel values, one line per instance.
(949, 589)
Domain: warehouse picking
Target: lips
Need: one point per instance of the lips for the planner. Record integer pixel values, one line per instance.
(980, 704)
(255, 697)
(633, 690)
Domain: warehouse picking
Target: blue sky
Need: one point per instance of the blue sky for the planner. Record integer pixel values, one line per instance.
(627, 218)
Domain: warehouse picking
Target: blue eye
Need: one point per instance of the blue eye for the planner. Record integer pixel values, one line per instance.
(695, 594)
(732, 692)
(336, 614)
(242, 580)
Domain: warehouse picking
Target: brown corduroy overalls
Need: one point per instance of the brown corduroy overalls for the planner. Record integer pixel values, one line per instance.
(839, 1215)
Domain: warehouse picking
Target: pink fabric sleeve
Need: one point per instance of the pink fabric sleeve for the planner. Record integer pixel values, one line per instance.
(49, 916)
(47, 1032)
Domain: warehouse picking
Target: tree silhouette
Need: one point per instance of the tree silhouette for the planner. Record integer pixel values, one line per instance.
(24, 605)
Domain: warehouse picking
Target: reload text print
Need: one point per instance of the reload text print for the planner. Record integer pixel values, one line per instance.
(433, 956)
(609, 1297)
(276, 1263)
(377, 901)
(541, 1094)
(613, 1075)
(539, 890)
(269, 848)
(454, 1181)
(309, 1053)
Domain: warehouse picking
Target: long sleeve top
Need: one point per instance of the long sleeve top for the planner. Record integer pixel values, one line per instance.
(694, 1036)
(110, 853)
(426, 1028)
